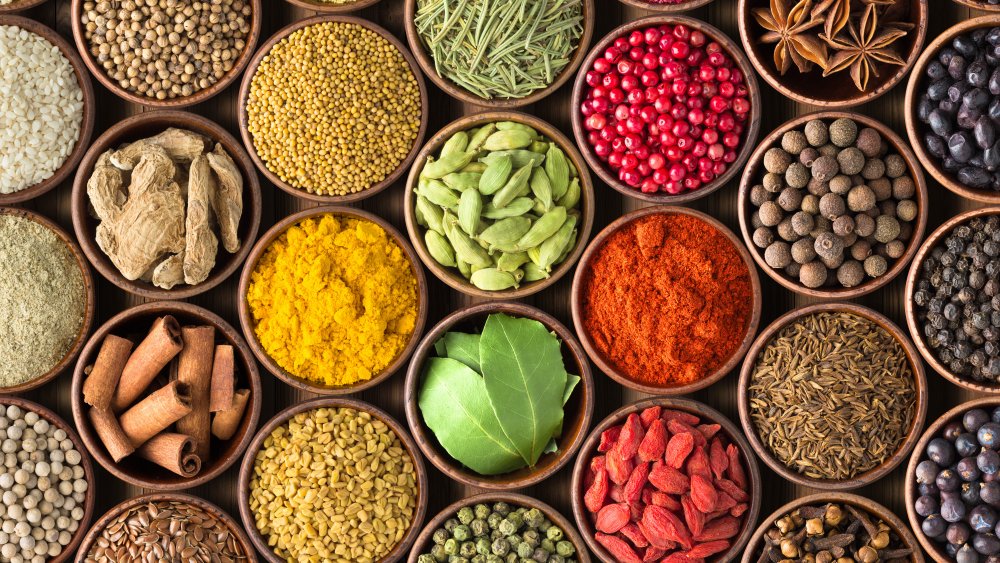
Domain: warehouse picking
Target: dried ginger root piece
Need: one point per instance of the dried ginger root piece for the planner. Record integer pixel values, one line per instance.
(104, 189)
(201, 245)
(182, 146)
(170, 272)
(228, 198)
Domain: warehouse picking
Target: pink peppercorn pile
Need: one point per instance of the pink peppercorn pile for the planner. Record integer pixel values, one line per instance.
(666, 109)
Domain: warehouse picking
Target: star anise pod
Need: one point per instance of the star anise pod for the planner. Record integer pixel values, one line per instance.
(864, 46)
(787, 26)
(836, 14)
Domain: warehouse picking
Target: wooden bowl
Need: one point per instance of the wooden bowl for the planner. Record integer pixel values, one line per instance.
(244, 118)
(452, 276)
(872, 475)
(88, 470)
(427, 63)
(580, 88)
(89, 113)
(20, 6)
(915, 129)
(667, 8)
(135, 322)
(933, 548)
(83, 45)
(425, 541)
(323, 7)
(88, 311)
(912, 323)
(144, 125)
(248, 325)
(752, 175)
(979, 5)
(578, 411)
(247, 470)
(836, 91)
(604, 365)
(871, 507)
(118, 509)
(582, 465)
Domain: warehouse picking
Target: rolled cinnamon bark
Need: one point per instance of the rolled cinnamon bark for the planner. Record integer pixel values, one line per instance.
(228, 421)
(223, 378)
(99, 387)
(111, 433)
(172, 451)
(156, 412)
(155, 351)
(194, 368)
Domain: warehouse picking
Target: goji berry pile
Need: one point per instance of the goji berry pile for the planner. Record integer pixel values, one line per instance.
(668, 487)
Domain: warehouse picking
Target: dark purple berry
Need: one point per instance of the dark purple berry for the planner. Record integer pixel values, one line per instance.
(986, 544)
(941, 451)
(988, 461)
(966, 554)
(974, 419)
(989, 435)
(926, 505)
(960, 146)
(966, 443)
(967, 469)
(953, 510)
(982, 519)
(934, 526)
(958, 533)
(990, 493)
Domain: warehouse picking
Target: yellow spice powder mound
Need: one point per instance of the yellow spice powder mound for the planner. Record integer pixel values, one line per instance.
(334, 300)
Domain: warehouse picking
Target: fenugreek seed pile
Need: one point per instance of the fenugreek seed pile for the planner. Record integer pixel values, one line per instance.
(333, 484)
(334, 108)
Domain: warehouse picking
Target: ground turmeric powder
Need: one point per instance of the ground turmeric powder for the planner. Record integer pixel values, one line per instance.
(334, 300)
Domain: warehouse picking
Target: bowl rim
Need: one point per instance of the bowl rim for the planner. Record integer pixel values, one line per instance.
(748, 179)
(979, 5)
(218, 513)
(89, 307)
(871, 507)
(424, 437)
(279, 419)
(919, 383)
(605, 366)
(750, 134)
(667, 8)
(184, 120)
(20, 6)
(247, 324)
(910, 312)
(914, 127)
(451, 276)
(426, 63)
(243, 118)
(333, 8)
(88, 117)
(95, 447)
(743, 20)
(82, 45)
(580, 512)
(521, 500)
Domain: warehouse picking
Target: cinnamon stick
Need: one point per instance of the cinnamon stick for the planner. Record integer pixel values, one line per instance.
(194, 368)
(172, 451)
(155, 351)
(228, 421)
(110, 433)
(99, 387)
(156, 412)
(223, 378)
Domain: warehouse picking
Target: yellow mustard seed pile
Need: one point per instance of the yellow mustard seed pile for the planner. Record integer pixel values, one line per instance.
(334, 108)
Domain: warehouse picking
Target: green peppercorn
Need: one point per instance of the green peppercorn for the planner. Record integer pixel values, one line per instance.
(556, 559)
(540, 555)
(534, 518)
(554, 533)
(512, 558)
(514, 541)
(502, 508)
(468, 549)
(494, 559)
(525, 550)
(466, 515)
(500, 546)
(440, 536)
(439, 554)
(479, 558)
(494, 520)
(462, 532)
(482, 511)
(451, 546)
(450, 524)
(547, 545)
(517, 519)
(565, 548)
(531, 537)
(426, 559)
(483, 546)
(479, 528)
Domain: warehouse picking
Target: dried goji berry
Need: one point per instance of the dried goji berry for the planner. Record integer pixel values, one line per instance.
(740, 509)
(735, 469)
(709, 430)
(703, 494)
(649, 415)
(724, 502)
(632, 532)
(616, 493)
(665, 500)
(608, 438)
(708, 548)
(668, 479)
(662, 526)
(618, 548)
(685, 417)
(678, 448)
(647, 494)
(721, 529)
(636, 509)
(694, 518)
(732, 489)
(681, 557)
(716, 514)
(678, 427)
(653, 554)
(612, 518)
(698, 464)
(654, 443)
(636, 481)
(598, 492)
(597, 463)
(619, 469)
(717, 458)
(630, 438)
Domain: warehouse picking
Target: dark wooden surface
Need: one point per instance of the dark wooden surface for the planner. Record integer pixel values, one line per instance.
(555, 300)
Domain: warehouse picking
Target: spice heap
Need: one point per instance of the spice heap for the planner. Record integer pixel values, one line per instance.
(668, 486)
(957, 300)
(834, 206)
(861, 37)
(666, 107)
(170, 424)
(676, 290)
(334, 109)
(340, 471)
(499, 204)
(497, 48)
(43, 299)
(166, 49)
(495, 399)
(334, 300)
(44, 484)
(163, 203)
(499, 533)
(41, 109)
(832, 395)
(833, 532)
(959, 103)
(959, 487)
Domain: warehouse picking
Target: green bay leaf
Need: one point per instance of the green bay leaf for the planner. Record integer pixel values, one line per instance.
(463, 347)
(571, 383)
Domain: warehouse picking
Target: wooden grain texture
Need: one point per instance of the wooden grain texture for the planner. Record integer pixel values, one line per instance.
(555, 300)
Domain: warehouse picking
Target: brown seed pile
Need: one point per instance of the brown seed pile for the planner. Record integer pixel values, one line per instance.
(166, 49)
(166, 531)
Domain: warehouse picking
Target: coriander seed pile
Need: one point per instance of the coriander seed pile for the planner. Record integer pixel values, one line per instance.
(334, 108)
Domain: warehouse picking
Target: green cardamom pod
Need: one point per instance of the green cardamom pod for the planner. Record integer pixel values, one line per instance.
(510, 261)
(541, 147)
(457, 143)
(431, 213)
(534, 255)
(533, 273)
(470, 207)
(477, 167)
(552, 248)
(506, 231)
(543, 228)
(512, 189)
(507, 140)
(479, 138)
(492, 279)
(464, 268)
(519, 206)
(438, 193)
(466, 249)
(446, 165)
(518, 158)
(542, 188)
(462, 181)
(440, 249)
(571, 198)
(569, 247)
(496, 175)
(557, 168)
(513, 125)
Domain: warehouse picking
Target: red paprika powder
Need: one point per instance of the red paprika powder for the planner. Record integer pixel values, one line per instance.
(667, 299)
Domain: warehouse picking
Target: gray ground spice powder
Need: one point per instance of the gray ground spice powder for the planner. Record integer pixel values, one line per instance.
(42, 300)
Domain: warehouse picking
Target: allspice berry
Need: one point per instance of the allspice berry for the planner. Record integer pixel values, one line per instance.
(875, 266)
(886, 228)
(803, 251)
(860, 198)
(843, 226)
(832, 263)
(758, 195)
(843, 132)
(832, 206)
(785, 230)
(874, 168)
(882, 188)
(810, 204)
(860, 250)
(778, 255)
(803, 222)
(813, 274)
(790, 199)
(841, 184)
(793, 270)
(906, 210)
(895, 165)
(851, 161)
(770, 214)
(829, 246)
(763, 237)
(850, 273)
(870, 142)
(864, 225)
(808, 156)
(777, 160)
(797, 175)
(818, 188)
(828, 150)
(895, 249)
(824, 168)
(817, 133)
(903, 187)
(794, 141)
